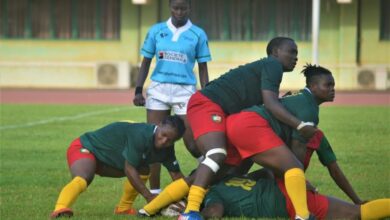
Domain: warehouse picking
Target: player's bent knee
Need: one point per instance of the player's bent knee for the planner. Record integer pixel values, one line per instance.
(219, 155)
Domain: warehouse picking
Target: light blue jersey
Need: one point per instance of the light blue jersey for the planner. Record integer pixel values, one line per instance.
(176, 50)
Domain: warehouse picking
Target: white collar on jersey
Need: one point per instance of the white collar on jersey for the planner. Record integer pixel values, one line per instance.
(155, 128)
(308, 90)
(178, 31)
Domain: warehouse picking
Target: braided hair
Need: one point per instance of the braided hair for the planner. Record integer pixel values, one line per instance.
(313, 72)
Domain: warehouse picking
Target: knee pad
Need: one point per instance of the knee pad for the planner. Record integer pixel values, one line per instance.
(210, 162)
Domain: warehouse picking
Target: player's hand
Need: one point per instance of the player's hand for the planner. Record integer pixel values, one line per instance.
(139, 100)
(307, 131)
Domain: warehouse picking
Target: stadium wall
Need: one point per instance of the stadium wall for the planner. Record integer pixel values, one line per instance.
(90, 63)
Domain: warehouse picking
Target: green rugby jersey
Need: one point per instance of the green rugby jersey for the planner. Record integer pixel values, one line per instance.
(241, 87)
(325, 152)
(249, 198)
(133, 142)
(302, 105)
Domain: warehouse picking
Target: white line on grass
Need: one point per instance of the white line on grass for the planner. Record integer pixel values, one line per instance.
(61, 119)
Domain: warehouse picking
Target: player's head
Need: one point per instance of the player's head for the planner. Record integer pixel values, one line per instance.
(285, 50)
(168, 131)
(320, 82)
(180, 11)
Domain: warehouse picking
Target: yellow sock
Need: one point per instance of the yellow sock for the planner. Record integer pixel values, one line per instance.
(195, 198)
(295, 182)
(129, 194)
(70, 192)
(172, 193)
(375, 209)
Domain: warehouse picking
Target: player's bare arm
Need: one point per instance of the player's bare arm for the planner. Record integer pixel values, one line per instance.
(139, 99)
(272, 103)
(341, 180)
(203, 74)
(134, 178)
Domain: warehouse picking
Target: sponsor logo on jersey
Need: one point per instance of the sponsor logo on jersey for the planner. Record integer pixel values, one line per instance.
(173, 56)
(216, 118)
(160, 55)
(245, 184)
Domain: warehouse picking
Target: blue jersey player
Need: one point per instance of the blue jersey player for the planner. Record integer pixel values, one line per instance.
(176, 44)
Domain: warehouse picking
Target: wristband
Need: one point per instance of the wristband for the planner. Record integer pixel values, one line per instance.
(303, 124)
(138, 90)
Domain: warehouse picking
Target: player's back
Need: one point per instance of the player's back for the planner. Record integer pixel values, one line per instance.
(241, 87)
(249, 198)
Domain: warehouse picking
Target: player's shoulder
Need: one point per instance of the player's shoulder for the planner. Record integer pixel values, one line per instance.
(294, 97)
(268, 66)
(198, 31)
(158, 27)
(196, 28)
(269, 60)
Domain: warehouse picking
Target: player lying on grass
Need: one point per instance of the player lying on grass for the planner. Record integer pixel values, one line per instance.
(255, 132)
(267, 198)
(117, 150)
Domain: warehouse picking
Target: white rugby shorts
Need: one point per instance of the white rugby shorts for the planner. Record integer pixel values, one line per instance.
(169, 96)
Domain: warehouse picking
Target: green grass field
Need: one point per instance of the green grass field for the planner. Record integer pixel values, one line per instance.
(34, 139)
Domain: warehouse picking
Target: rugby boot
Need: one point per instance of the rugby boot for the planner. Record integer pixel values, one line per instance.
(192, 215)
(130, 211)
